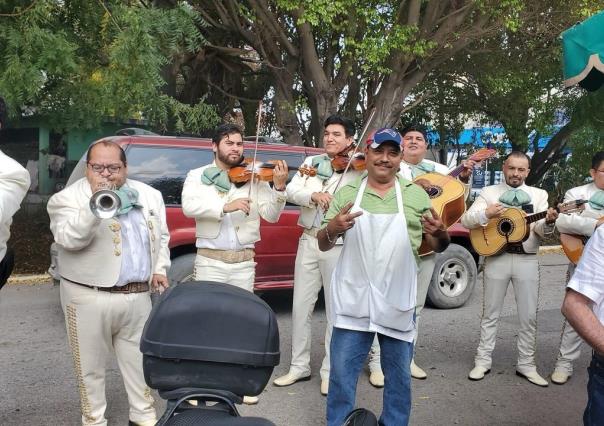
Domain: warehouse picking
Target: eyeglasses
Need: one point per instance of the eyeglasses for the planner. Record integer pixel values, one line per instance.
(99, 168)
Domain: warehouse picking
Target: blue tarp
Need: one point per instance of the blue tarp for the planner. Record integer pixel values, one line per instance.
(481, 136)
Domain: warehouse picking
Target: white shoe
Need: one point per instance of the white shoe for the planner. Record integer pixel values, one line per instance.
(250, 400)
(324, 386)
(478, 373)
(534, 378)
(417, 372)
(560, 377)
(376, 378)
(289, 379)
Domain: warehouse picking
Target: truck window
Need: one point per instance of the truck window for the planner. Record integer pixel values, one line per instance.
(165, 168)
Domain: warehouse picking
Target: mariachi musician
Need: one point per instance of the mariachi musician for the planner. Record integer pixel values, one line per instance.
(582, 223)
(313, 269)
(518, 264)
(107, 267)
(227, 215)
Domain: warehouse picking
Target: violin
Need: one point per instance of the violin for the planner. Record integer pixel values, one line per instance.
(342, 158)
(262, 171)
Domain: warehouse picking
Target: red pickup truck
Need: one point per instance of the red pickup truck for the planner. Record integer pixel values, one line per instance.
(164, 161)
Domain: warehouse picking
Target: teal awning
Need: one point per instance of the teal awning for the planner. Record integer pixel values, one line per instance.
(583, 47)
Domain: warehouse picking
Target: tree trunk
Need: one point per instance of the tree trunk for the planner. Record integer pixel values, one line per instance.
(550, 155)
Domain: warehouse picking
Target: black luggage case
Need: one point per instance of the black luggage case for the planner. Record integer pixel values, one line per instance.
(210, 335)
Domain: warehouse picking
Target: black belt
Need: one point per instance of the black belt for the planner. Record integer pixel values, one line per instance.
(133, 287)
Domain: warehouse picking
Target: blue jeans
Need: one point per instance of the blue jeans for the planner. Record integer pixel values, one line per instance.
(349, 350)
(594, 411)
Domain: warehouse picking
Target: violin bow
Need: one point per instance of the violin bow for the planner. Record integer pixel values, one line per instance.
(356, 148)
(249, 195)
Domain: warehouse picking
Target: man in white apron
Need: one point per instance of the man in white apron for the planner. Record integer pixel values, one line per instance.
(374, 284)
(413, 165)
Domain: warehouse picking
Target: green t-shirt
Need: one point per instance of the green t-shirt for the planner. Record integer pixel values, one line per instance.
(415, 204)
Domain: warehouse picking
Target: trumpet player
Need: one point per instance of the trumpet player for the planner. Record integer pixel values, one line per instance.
(107, 268)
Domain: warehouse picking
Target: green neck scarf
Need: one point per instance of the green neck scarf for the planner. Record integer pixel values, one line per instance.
(515, 197)
(422, 168)
(217, 177)
(323, 165)
(596, 201)
(129, 200)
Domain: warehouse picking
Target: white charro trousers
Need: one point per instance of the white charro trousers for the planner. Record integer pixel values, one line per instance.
(99, 323)
(570, 341)
(313, 270)
(241, 274)
(523, 271)
(424, 278)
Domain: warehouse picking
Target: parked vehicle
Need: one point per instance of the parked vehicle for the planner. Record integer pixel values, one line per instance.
(163, 163)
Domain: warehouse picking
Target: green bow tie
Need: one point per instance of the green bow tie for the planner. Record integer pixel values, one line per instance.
(596, 201)
(129, 200)
(421, 168)
(218, 177)
(515, 197)
(323, 165)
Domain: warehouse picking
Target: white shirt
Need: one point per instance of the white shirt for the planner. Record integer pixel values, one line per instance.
(226, 239)
(588, 278)
(136, 262)
(14, 183)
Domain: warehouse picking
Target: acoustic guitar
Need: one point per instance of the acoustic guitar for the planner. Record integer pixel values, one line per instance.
(513, 226)
(573, 245)
(447, 194)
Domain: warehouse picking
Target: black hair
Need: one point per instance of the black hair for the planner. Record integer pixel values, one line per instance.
(346, 123)
(518, 154)
(225, 130)
(597, 159)
(107, 143)
(3, 112)
(413, 127)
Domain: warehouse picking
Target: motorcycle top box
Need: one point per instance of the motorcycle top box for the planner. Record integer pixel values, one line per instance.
(212, 336)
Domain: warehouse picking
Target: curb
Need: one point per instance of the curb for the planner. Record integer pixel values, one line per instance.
(551, 250)
(29, 279)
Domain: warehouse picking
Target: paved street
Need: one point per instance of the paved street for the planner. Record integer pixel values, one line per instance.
(38, 387)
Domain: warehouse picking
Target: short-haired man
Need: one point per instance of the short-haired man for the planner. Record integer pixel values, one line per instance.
(227, 215)
(313, 267)
(373, 290)
(580, 223)
(14, 183)
(107, 266)
(583, 307)
(518, 264)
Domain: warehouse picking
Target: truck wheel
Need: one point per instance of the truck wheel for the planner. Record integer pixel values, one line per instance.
(453, 279)
(181, 268)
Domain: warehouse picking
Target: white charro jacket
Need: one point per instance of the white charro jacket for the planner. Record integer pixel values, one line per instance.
(301, 188)
(14, 183)
(90, 248)
(474, 217)
(204, 203)
(583, 222)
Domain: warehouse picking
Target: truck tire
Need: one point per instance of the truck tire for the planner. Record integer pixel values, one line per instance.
(453, 278)
(181, 269)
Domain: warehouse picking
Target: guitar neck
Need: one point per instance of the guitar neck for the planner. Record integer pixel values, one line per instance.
(535, 217)
(456, 171)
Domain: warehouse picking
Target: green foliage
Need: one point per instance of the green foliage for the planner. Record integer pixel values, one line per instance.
(77, 62)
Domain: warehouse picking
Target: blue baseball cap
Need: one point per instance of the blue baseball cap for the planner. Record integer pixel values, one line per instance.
(384, 135)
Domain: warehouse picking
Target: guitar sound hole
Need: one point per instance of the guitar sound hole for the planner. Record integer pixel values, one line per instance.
(434, 191)
(505, 227)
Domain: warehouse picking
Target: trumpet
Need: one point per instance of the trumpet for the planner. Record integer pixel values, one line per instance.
(105, 203)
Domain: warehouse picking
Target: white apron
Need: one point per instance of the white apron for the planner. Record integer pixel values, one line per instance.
(374, 284)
